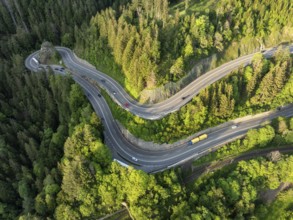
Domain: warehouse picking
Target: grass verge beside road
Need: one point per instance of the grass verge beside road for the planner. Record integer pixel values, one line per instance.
(256, 139)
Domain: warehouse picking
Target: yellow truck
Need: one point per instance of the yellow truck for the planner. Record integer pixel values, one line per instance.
(197, 139)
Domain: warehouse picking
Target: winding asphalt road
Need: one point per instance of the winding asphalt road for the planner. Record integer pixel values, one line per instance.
(154, 161)
(149, 111)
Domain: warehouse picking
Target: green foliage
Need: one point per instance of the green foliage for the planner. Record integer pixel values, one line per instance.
(232, 97)
(192, 6)
(36, 21)
(140, 42)
(281, 208)
(146, 44)
(235, 191)
(36, 121)
(268, 136)
(260, 137)
(177, 68)
(143, 40)
(92, 186)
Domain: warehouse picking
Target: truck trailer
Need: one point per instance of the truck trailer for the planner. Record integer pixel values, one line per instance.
(198, 138)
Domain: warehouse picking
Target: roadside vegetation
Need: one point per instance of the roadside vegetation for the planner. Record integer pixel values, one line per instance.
(80, 180)
(54, 164)
(38, 112)
(261, 86)
(236, 191)
(279, 209)
(91, 186)
(148, 44)
(278, 134)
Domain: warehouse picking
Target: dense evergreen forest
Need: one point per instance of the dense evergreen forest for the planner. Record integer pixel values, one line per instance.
(146, 44)
(25, 24)
(54, 164)
(38, 112)
(85, 184)
(92, 186)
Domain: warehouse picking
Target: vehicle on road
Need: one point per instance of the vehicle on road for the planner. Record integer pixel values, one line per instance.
(135, 159)
(234, 126)
(36, 61)
(99, 95)
(184, 97)
(197, 139)
(126, 104)
(114, 93)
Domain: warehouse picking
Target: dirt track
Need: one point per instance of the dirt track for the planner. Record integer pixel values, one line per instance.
(199, 170)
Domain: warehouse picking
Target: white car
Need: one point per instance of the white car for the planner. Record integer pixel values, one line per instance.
(234, 126)
(135, 159)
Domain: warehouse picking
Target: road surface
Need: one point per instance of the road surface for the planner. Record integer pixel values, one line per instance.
(155, 161)
(148, 111)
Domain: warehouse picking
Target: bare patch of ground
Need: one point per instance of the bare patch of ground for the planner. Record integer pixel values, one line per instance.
(269, 195)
